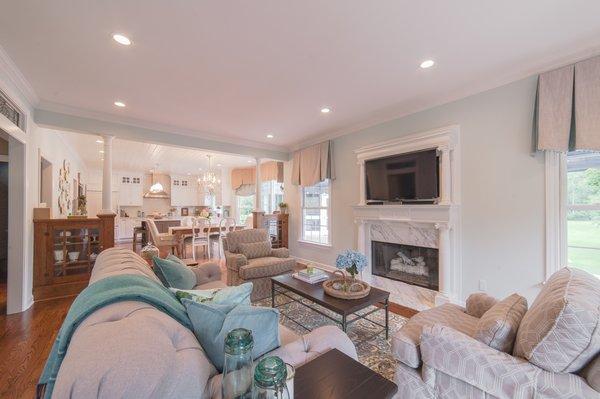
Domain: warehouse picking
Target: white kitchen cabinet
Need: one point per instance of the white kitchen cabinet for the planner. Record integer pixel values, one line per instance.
(131, 190)
(184, 191)
(125, 228)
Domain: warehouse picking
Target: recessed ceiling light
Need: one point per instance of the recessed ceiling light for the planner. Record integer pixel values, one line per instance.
(427, 64)
(120, 104)
(270, 136)
(218, 164)
(101, 152)
(121, 39)
(325, 110)
(189, 174)
(249, 161)
(99, 141)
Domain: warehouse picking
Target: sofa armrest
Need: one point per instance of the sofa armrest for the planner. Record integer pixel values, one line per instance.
(315, 343)
(207, 272)
(479, 303)
(235, 261)
(280, 252)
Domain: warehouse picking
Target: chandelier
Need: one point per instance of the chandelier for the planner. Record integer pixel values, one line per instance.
(209, 179)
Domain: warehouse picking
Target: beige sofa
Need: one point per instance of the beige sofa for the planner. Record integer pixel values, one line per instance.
(549, 351)
(243, 268)
(132, 350)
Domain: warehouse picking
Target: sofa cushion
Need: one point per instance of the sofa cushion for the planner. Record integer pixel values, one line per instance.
(253, 250)
(561, 330)
(234, 238)
(498, 326)
(405, 343)
(212, 322)
(175, 273)
(479, 303)
(591, 373)
(265, 267)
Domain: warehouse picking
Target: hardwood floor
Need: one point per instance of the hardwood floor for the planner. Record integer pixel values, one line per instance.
(26, 339)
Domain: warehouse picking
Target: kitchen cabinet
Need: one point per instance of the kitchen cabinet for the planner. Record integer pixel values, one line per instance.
(184, 191)
(125, 228)
(131, 190)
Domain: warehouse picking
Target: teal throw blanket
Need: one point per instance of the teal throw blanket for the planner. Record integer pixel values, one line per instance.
(109, 290)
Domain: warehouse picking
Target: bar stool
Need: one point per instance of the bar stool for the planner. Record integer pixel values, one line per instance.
(141, 232)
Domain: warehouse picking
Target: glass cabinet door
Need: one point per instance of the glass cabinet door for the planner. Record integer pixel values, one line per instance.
(74, 251)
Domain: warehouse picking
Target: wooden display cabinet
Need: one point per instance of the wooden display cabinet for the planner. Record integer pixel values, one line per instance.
(65, 251)
(277, 226)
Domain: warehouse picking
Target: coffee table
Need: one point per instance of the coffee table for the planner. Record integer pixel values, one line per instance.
(346, 308)
(334, 375)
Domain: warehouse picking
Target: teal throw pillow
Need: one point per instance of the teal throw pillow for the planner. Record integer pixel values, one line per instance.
(212, 322)
(175, 274)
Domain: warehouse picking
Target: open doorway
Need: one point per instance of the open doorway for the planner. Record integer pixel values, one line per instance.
(3, 223)
(45, 182)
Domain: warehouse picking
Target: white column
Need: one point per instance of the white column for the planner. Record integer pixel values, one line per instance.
(107, 206)
(445, 178)
(444, 263)
(258, 199)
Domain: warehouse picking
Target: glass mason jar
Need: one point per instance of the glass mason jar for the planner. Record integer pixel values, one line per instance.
(237, 367)
(270, 378)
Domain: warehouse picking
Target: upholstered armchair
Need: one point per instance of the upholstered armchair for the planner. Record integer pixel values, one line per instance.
(250, 258)
(501, 349)
(166, 243)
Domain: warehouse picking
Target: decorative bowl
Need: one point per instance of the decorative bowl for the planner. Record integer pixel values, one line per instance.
(346, 287)
(73, 256)
(59, 255)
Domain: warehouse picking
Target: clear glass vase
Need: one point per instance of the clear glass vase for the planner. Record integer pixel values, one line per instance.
(270, 377)
(237, 367)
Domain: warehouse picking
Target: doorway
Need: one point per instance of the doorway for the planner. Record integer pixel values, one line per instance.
(3, 224)
(45, 182)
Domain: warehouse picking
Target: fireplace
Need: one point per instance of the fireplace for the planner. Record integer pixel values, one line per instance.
(408, 263)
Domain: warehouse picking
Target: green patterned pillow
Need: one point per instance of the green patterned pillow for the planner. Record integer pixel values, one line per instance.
(198, 296)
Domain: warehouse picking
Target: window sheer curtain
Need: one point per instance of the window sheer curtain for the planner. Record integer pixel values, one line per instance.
(567, 109)
(313, 164)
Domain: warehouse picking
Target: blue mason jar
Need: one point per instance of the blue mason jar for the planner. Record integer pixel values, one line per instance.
(237, 367)
(270, 377)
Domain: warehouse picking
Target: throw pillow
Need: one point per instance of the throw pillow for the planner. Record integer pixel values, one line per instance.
(561, 330)
(226, 296)
(174, 258)
(212, 322)
(255, 249)
(479, 303)
(175, 274)
(195, 295)
(498, 327)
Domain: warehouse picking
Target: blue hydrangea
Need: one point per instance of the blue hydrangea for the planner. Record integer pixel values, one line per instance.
(352, 261)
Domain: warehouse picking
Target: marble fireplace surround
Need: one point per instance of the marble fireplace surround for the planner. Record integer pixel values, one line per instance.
(433, 226)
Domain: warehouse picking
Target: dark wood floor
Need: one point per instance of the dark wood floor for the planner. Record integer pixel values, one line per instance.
(26, 339)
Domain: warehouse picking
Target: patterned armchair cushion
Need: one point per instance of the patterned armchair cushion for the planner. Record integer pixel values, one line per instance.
(479, 303)
(266, 267)
(254, 250)
(561, 330)
(498, 326)
(235, 238)
(405, 342)
(591, 373)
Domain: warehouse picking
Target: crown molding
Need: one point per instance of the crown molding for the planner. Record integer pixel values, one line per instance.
(541, 64)
(18, 80)
(85, 113)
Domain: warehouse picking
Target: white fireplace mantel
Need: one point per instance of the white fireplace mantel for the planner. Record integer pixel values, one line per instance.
(440, 222)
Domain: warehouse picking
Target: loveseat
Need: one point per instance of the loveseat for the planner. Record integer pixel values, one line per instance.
(132, 350)
(250, 258)
(501, 349)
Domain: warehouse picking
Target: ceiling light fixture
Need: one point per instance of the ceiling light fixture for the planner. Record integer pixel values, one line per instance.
(101, 152)
(121, 39)
(219, 165)
(249, 161)
(119, 104)
(427, 64)
(209, 178)
(270, 136)
(325, 110)
(99, 141)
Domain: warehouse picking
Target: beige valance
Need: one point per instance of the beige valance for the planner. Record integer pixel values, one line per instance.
(567, 111)
(313, 164)
(271, 170)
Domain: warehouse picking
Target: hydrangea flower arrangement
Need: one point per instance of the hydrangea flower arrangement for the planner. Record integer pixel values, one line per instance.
(353, 262)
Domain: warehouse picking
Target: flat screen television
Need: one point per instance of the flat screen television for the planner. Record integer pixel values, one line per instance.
(411, 177)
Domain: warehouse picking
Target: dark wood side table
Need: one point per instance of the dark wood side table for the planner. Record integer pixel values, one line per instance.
(335, 375)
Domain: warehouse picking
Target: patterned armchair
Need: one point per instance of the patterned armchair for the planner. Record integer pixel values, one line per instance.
(250, 258)
(500, 349)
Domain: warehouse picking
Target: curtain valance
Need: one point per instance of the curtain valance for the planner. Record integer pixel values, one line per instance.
(271, 170)
(567, 110)
(313, 164)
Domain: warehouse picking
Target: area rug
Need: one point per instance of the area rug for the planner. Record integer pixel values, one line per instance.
(373, 351)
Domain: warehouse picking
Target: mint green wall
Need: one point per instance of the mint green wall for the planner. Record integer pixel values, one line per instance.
(502, 188)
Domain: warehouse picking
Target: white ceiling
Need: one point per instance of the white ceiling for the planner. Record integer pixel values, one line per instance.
(133, 156)
(242, 69)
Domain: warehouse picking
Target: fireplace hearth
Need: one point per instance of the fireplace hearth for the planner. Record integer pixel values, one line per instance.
(407, 263)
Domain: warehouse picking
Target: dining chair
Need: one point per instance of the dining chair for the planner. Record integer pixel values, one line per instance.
(200, 237)
(166, 243)
(225, 226)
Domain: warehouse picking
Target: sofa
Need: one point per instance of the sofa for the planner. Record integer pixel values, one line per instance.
(132, 350)
(551, 350)
(250, 258)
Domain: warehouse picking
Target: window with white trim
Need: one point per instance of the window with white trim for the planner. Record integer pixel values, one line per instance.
(582, 209)
(316, 213)
(245, 206)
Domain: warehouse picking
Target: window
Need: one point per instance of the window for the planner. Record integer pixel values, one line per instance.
(582, 206)
(316, 213)
(245, 206)
(272, 195)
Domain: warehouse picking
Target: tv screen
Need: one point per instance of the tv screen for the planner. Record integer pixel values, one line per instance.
(412, 176)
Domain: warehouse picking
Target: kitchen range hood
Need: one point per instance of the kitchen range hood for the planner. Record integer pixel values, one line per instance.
(156, 189)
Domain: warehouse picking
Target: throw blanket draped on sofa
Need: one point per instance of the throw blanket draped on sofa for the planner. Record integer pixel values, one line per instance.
(99, 294)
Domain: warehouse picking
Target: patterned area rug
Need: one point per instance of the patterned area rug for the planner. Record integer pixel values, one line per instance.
(373, 351)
